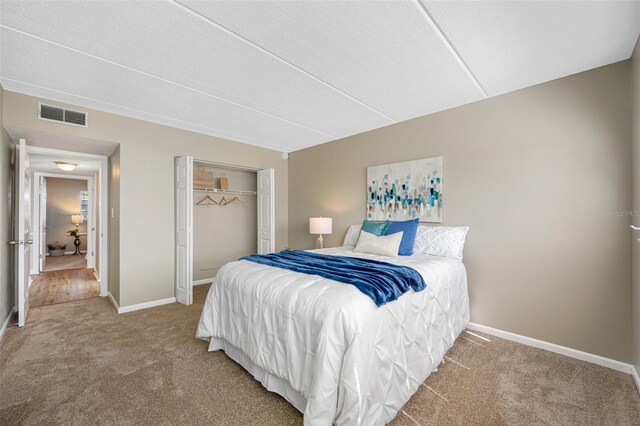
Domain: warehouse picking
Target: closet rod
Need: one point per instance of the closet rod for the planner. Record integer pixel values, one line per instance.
(226, 191)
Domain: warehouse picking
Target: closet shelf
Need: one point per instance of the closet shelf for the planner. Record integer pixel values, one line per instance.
(226, 191)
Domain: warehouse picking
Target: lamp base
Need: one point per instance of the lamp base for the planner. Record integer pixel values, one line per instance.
(320, 242)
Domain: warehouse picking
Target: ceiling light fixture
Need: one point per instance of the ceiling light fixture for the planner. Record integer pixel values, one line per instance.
(67, 167)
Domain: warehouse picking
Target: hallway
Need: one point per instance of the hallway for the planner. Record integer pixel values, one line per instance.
(49, 288)
(60, 263)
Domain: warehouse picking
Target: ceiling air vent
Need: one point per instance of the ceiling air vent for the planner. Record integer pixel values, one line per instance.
(61, 115)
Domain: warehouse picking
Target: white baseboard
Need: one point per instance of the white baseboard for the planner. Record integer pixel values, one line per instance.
(204, 281)
(113, 301)
(552, 347)
(146, 305)
(68, 253)
(103, 292)
(636, 377)
(6, 323)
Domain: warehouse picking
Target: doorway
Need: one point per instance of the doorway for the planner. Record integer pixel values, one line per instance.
(61, 227)
(63, 213)
(234, 217)
(62, 266)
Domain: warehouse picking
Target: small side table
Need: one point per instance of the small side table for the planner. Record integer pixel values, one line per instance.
(76, 243)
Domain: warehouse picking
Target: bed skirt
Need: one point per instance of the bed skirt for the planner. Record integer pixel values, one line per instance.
(270, 381)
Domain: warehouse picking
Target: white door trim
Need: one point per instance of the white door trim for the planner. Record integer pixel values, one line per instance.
(35, 220)
(102, 205)
(226, 165)
(72, 154)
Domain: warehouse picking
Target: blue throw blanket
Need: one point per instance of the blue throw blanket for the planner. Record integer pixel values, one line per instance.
(381, 281)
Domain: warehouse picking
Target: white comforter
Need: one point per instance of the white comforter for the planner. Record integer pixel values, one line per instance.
(350, 361)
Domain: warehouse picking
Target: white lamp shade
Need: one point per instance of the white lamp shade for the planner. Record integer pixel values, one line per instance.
(320, 225)
(76, 218)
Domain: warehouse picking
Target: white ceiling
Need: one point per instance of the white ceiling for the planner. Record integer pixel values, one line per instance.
(289, 75)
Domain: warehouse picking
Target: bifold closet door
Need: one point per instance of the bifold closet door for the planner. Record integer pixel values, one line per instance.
(184, 230)
(266, 212)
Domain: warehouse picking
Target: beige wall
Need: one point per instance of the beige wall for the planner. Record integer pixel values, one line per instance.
(224, 233)
(635, 90)
(7, 151)
(63, 200)
(533, 174)
(146, 215)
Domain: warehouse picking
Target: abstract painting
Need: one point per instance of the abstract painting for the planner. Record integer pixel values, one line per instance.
(403, 191)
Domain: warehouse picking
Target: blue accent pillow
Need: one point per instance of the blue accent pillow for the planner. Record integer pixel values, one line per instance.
(376, 228)
(409, 227)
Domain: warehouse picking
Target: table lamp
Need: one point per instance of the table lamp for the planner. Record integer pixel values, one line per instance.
(77, 219)
(320, 226)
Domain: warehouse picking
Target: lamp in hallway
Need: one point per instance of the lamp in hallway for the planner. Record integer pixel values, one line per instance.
(320, 226)
(77, 219)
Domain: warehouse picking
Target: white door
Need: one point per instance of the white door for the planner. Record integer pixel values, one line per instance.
(42, 205)
(184, 229)
(23, 239)
(266, 212)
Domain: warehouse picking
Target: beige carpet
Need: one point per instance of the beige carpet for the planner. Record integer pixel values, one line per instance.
(81, 363)
(60, 263)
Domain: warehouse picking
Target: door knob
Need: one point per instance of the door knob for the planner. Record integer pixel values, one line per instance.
(47, 227)
(28, 242)
(635, 228)
(13, 243)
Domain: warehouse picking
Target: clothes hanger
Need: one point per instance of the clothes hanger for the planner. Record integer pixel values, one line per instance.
(206, 198)
(235, 198)
(223, 201)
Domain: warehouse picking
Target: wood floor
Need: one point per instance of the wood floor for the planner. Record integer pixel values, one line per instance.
(59, 263)
(49, 288)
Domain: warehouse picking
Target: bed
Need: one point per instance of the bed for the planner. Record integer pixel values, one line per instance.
(326, 347)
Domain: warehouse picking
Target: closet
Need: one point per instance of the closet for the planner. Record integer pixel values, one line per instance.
(222, 213)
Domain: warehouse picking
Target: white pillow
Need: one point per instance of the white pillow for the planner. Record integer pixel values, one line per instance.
(353, 233)
(444, 241)
(386, 245)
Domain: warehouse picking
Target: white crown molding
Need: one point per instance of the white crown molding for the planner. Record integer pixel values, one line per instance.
(66, 98)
